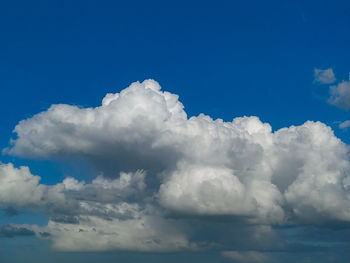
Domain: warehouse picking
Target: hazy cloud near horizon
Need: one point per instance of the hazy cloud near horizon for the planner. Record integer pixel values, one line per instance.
(159, 171)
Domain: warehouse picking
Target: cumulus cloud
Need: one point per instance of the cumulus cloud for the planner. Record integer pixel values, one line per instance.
(156, 168)
(319, 188)
(324, 76)
(217, 191)
(340, 95)
(95, 216)
(20, 188)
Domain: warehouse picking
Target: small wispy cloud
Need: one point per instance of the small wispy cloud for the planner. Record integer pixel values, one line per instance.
(324, 76)
(11, 231)
(340, 95)
(10, 211)
(344, 125)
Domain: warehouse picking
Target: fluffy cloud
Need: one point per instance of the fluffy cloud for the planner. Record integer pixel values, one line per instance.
(340, 95)
(19, 187)
(101, 215)
(158, 168)
(320, 165)
(324, 76)
(217, 191)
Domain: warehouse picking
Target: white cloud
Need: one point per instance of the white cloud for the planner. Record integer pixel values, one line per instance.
(155, 162)
(206, 190)
(319, 164)
(324, 76)
(344, 125)
(19, 187)
(95, 216)
(340, 95)
(93, 233)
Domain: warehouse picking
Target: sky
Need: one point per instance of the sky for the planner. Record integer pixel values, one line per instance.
(175, 131)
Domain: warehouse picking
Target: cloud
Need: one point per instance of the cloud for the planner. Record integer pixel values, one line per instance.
(324, 76)
(340, 95)
(11, 231)
(245, 256)
(319, 187)
(143, 233)
(94, 216)
(20, 188)
(206, 190)
(10, 211)
(101, 189)
(159, 173)
(344, 125)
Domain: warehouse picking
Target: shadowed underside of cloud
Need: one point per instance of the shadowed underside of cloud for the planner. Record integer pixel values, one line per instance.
(245, 256)
(160, 171)
(10, 231)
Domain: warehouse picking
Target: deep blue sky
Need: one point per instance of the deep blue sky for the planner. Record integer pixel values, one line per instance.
(223, 58)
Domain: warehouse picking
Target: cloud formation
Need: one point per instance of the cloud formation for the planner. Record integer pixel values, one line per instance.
(93, 217)
(159, 170)
(340, 95)
(324, 76)
(20, 188)
(245, 256)
(11, 231)
(344, 125)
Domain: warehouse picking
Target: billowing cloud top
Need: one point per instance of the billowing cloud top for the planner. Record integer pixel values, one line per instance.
(158, 167)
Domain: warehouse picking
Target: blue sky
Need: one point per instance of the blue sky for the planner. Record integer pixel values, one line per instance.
(225, 59)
